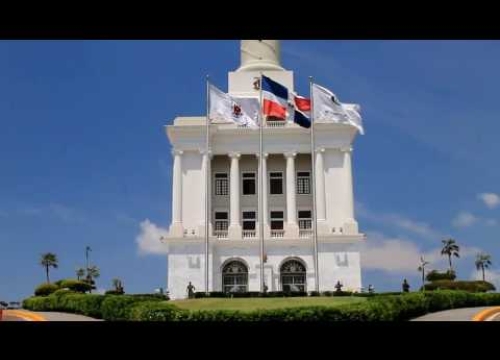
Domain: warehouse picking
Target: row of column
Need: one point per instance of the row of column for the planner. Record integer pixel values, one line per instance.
(291, 203)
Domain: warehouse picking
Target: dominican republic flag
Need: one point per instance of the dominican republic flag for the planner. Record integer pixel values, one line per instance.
(302, 111)
(275, 99)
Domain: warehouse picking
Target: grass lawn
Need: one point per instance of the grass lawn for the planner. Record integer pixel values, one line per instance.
(249, 304)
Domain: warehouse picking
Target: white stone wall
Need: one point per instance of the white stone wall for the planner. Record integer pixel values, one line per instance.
(192, 188)
(335, 189)
(185, 263)
(337, 262)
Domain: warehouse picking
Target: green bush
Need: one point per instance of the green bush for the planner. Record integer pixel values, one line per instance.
(75, 285)
(471, 286)
(435, 275)
(45, 289)
(314, 293)
(114, 292)
(156, 311)
(63, 292)
(118, 307)
(377, 308)
(342, 293)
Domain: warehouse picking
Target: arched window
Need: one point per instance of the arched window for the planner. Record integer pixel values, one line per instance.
(235, 277)
(293, 276)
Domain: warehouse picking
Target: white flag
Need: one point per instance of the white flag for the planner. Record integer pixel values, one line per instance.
(327, 107)
(226, 108)
(352, 111)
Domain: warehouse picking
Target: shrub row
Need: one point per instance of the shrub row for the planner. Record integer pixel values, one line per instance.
(471, 286)
(378, 308)
(107, 307)
(253, 294)
(71, 284)
(148, 308)
(436, 275)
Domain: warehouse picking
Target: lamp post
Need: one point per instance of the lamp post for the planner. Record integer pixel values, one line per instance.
(87, 249)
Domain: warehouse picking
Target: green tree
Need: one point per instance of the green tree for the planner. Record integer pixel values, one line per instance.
(80, 273)
(92, 274)
(49, 260)
(421, 268)
(117, 284)
(483, 261)
(450, 248)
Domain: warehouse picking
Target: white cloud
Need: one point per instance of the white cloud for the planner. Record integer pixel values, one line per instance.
(148, 239)
(490, 275)
(391, 255)
(491, 222)
(399, 221)
(464, 219)
(60, 211)
(395, 255)
(65, 213)
(491, 200)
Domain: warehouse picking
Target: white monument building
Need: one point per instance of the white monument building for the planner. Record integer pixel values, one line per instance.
(234, 243)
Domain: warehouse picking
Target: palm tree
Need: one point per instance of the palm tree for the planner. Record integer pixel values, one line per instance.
(117, 283)
(80, 273)
(48, 260)
(483, 261)
(450, 248)
(421, 268)
(92, 273)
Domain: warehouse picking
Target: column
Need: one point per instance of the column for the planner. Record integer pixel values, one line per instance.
(319, 175)
(176, 228)
(205, 169)
(234, 197)
(350, 226)
(264, 193)
(291, 229)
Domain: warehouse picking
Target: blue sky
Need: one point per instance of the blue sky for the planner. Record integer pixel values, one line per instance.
(85, 160)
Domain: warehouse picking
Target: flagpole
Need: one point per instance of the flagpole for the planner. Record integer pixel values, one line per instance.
(313, 180)
(261, 187)
(207, 184)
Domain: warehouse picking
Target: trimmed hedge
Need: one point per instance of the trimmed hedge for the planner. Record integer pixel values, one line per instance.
(156, 311)
(377, 308)
(114, 292)
(75, 285)
(248, 294)
(118, 307)
(435, 275)
(380, 308)
(471, 286)
(45, 289)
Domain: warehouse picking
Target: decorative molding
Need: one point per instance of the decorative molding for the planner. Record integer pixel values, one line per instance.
(176, 152)
(265, 155)
(234, 154)
(346, 149)
(204, 151)
(320, 150)
(290, 154)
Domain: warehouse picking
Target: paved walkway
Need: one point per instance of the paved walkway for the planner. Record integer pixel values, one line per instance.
(56, 316)
(465, 314)
(24, 315)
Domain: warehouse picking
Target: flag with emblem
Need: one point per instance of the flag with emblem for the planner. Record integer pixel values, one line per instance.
(223, 107)
(327, 107)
